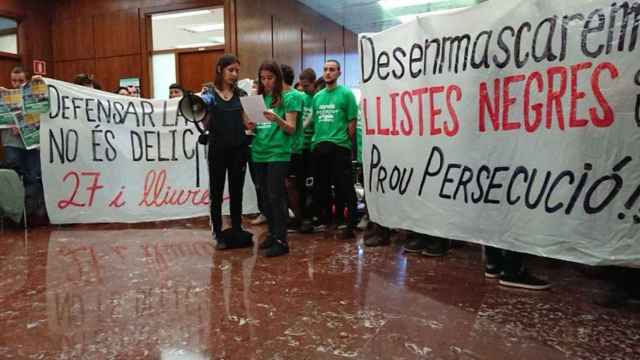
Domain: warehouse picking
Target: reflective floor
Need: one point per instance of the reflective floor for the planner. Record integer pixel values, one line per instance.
(161, 291)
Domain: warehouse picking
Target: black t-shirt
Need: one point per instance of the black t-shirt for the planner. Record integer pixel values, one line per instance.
(226, 127)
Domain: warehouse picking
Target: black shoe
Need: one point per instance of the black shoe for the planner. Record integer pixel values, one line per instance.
(306, 227)
(492, 271)
(416, 244)
(523, 280)
(220, 243)
(436, 247)
(379, 237)
(267, 243)
(347, 233)
(293, 226)
(234, 239)
(278, 248)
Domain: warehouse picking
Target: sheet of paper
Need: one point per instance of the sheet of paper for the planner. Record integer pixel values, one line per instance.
(254, 108)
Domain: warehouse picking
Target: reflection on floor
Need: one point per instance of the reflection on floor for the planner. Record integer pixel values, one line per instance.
(161, 291)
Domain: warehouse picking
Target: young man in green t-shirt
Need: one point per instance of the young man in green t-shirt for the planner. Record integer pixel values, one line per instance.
(334, 120)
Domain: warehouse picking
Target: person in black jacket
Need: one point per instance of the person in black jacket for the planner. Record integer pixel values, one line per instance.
(228, 151)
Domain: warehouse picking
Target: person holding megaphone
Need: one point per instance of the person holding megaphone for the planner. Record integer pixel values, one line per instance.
(228, 147)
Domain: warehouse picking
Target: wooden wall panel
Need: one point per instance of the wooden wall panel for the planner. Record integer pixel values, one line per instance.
(67, 70)
(73, 39)
(109, 71)
(255, 36)
(196, 68)
(117, 33)
(313, 50)
(287, 44)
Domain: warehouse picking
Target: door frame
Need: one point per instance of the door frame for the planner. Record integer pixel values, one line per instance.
(146, 39)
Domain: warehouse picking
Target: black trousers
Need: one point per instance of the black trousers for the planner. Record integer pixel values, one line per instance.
(223, 161)
(333, 167)
(298, 173)
(254, 178)
(271, 178)
(511, 262)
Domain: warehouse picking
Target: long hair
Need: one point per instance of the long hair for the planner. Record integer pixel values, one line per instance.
(276, 93)
(223, 62)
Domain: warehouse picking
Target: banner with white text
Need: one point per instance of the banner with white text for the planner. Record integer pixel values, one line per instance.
(512, 123)
(109, 158)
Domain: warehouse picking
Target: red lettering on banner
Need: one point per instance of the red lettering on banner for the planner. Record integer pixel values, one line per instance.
(508, 100)
(608, 117)
(576, 95)
(406, 125)
(452, 131)
(537, 107)
(394, 114)
(157, 193)
(93, 187)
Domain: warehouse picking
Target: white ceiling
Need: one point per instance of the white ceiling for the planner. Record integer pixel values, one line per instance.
(170, 33)
(369, 16)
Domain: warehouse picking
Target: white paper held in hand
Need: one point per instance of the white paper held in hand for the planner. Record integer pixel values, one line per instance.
(254, 108)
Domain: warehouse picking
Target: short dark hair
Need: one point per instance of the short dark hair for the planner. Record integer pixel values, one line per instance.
(334, 61)
(320, 84)
(122, 88)
(308, 74)
(83, 80)
(175, 86)
(18, 69)
(287, 74)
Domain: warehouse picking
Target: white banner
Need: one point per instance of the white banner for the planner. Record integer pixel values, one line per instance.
(510, 123)
(110, 158)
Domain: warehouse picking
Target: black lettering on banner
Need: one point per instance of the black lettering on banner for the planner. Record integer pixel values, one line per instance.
(446, 179)
(54, 104)
(88, 109)
(397, 52)
(466, 176)
(520, 170)
(147, 112)
(136, 144)
(118, 113)
(480, 195)
(65, 146)
(493, 185)
(504, 47)
(547, 54)
(187, 155)
(427, 172)
(589, 29)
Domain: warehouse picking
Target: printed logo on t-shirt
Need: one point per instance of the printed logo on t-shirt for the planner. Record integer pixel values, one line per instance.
(327, 113)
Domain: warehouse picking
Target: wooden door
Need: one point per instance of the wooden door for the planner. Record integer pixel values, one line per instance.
(196, 68)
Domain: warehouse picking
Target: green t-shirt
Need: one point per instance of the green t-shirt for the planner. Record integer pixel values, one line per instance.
(293, 102)
(359, 149)
(307, 112)
(332, 112)
(271, 144)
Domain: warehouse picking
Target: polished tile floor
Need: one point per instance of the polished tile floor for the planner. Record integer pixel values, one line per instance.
(161, 291)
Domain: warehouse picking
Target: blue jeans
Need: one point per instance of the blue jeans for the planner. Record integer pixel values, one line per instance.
(26, 162)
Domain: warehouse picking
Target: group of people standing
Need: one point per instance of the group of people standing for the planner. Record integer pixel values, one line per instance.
(312, 126)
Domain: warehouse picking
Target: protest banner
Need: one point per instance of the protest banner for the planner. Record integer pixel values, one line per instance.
(111, 158)
(511, 123)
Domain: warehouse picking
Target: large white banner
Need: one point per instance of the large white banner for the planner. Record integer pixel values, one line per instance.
(513, 123)
(110, 158)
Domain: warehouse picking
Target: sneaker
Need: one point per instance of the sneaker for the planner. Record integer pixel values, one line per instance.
(524, 280)
(492, 271)
(347, 233)
(417, 244)
(278, 248)
(261, 219)
(436, 247)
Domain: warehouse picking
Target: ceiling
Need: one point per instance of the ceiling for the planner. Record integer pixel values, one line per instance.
(188, 29)
(369, 16)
